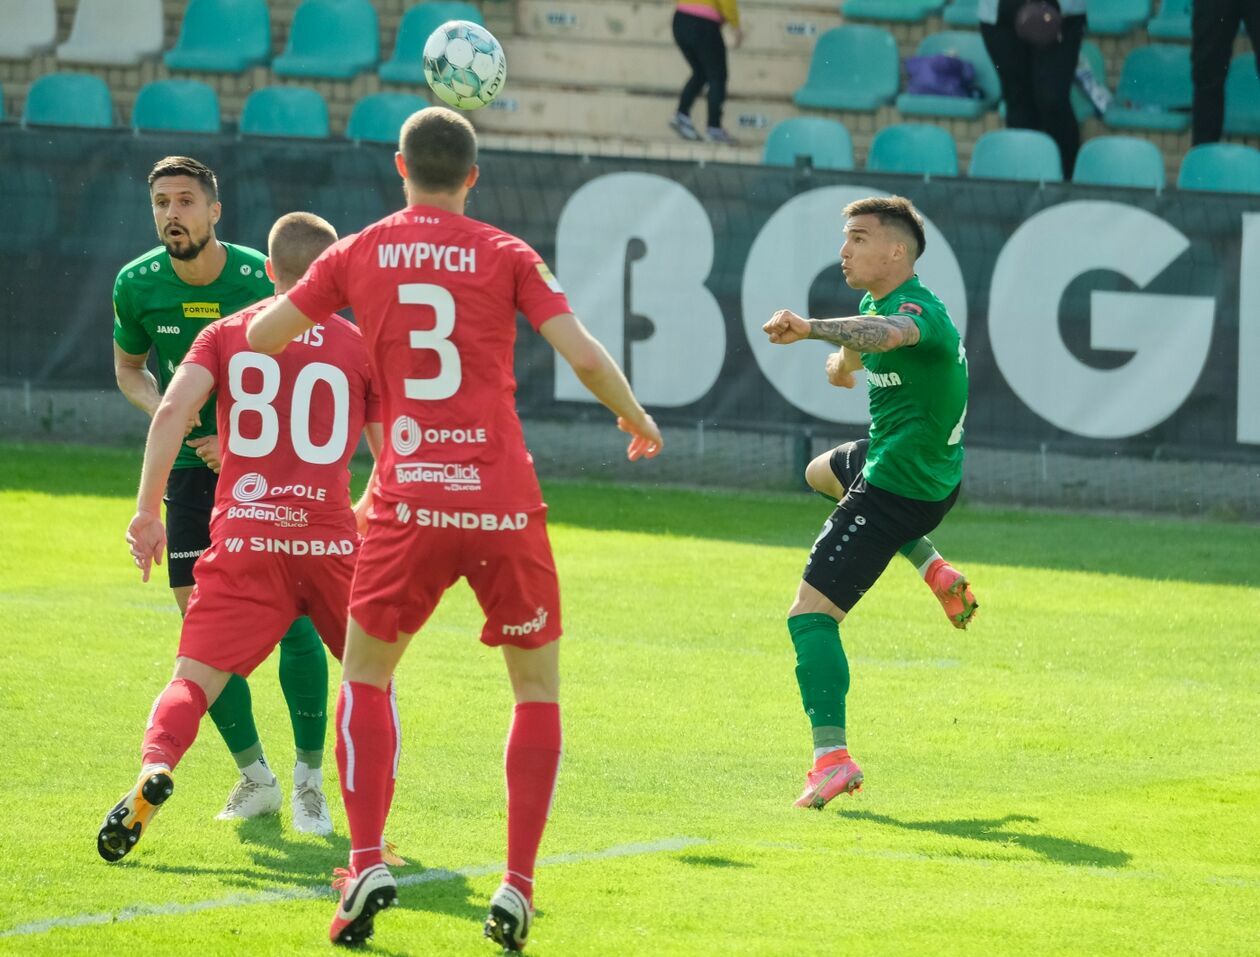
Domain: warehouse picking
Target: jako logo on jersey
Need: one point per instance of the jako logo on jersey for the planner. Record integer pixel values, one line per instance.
(249, 488)
(883, 379)
(201, 310)
(302, 546)
(168, 330)
(283, 515)
(537, 623)
(452, 477)
(409, 255)
(485, 521)
(405, 435)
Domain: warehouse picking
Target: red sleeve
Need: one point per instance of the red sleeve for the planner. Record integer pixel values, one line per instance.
(205, 349)
(538, 293)
(373, 400)
(323, 289)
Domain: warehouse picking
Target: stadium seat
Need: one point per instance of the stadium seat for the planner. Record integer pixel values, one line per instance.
(1221, 168)
(1120, 161)
(378, 118)
(962, 13)
(826, 142)
(186, 106)
(332, 39)
(69, 99)
(285, 111)
(406, 65)
(114, 32)
(903, 11)
(1242, 97)
(853, 67)
(1082, 106)
(1016, 154)
(1115, 18)
(30, 27)
(967, 46)
(1172, 22)
(222, 36)
(1154, 92)
(919, 148)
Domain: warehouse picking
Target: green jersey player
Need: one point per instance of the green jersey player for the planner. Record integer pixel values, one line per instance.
(894, 487)
(162, 300)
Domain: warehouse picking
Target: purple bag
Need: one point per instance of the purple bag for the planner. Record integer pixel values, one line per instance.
(941, 75)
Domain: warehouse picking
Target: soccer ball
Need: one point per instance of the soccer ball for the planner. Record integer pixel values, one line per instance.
(464, 64)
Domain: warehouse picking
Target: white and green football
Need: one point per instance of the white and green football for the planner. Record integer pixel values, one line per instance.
(464, 64)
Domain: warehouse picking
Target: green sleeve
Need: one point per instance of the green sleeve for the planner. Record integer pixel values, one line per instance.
(929, 321)
(130, 335)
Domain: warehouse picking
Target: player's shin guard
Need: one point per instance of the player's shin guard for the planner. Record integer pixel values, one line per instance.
(532, 760)
(173, 723)
(304, 681)
(822, 672)
(365, 759)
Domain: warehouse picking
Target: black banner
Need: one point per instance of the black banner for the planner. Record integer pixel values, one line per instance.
(1096, 320)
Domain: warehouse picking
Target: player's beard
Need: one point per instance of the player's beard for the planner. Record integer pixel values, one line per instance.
(191, 250)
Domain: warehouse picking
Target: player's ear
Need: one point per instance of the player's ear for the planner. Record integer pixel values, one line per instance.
(216, 210)
(473, 173)
(400, 164)
(271, 272)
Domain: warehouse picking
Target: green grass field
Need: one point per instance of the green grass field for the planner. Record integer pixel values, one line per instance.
(1077, 773)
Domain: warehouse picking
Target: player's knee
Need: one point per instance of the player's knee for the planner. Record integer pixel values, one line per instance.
(820, 477)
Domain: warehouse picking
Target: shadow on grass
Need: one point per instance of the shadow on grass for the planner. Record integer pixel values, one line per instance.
(709, 860)
(1058, 850)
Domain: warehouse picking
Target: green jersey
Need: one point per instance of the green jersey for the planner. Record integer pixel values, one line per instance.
(918, 397)
(154, 308)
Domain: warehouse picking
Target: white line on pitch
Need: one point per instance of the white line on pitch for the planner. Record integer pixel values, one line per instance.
(284, 895)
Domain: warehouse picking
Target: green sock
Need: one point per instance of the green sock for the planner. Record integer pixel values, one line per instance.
(822, 671)
(921, 553)
(304, 681)
(233, 714)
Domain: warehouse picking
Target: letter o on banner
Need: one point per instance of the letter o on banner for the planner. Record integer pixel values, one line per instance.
(798, 242)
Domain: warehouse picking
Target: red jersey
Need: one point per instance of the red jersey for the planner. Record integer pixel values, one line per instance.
(288, 425)
(436, 295)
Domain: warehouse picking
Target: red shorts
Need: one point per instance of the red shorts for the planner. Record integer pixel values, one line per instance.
(412, 554)
(248, 593)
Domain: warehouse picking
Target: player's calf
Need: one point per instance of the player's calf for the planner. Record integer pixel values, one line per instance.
(129, 819)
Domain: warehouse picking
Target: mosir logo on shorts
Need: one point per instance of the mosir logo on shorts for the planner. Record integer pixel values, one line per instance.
(285, 516)
(484, 521)
(302, 546)
(249, 488)
(452, 477)
(535, 624)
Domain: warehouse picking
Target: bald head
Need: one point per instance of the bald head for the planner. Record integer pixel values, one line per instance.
(295, 241)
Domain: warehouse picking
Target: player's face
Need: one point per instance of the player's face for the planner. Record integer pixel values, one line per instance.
(184, 215)
(867, 255)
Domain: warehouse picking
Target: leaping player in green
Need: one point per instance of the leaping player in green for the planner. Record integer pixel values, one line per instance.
(162, 300)
(894, 487)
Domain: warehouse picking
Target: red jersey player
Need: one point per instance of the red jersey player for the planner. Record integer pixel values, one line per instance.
(283, 535)
(437, 294)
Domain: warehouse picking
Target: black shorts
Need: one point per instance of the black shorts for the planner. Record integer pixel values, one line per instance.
(866, 530)
(189, 500)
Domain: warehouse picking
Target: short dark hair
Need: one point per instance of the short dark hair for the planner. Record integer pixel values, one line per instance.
(439, 148)
(295, 241)
(186, 166)
(894, 211)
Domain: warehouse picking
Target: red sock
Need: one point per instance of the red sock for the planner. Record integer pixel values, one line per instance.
(365, 758)
(532, 760)
(173, 723)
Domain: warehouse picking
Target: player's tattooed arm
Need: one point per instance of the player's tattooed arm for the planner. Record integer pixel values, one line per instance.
(867, 333)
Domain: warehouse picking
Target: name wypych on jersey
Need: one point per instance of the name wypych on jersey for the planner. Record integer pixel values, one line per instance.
(415, 255)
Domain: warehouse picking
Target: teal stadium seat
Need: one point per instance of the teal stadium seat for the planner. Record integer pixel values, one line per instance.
(902, 11)
(967, 46)
(1114, 18)
(1172, 22)
(330, 39)
(1120, 161)
(854, 67)
(185, 106)
(1155, 91)
(69, 99)
(1221, 168)
(378, 118)
(1016, 154)
(222, 36)
(1242, 97)
(407, 63)
(114, 32)
(1082, 106)
(919, 148)
(962, 13)
(285, 111)
(826, 142)
(30, 28)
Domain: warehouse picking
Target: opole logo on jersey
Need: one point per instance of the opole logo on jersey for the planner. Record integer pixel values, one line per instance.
(249, 488)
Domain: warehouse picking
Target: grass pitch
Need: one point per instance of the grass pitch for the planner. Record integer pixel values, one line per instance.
(1077, 773)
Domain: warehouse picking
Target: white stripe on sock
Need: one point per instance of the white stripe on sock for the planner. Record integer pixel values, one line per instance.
(393, 707)
(348, 695)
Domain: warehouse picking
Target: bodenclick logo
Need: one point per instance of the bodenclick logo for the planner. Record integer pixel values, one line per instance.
(452, 476)
(285, 516)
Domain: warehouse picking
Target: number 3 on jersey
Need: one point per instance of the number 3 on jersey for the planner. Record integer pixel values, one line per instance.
(260, 403)
(438, 339)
